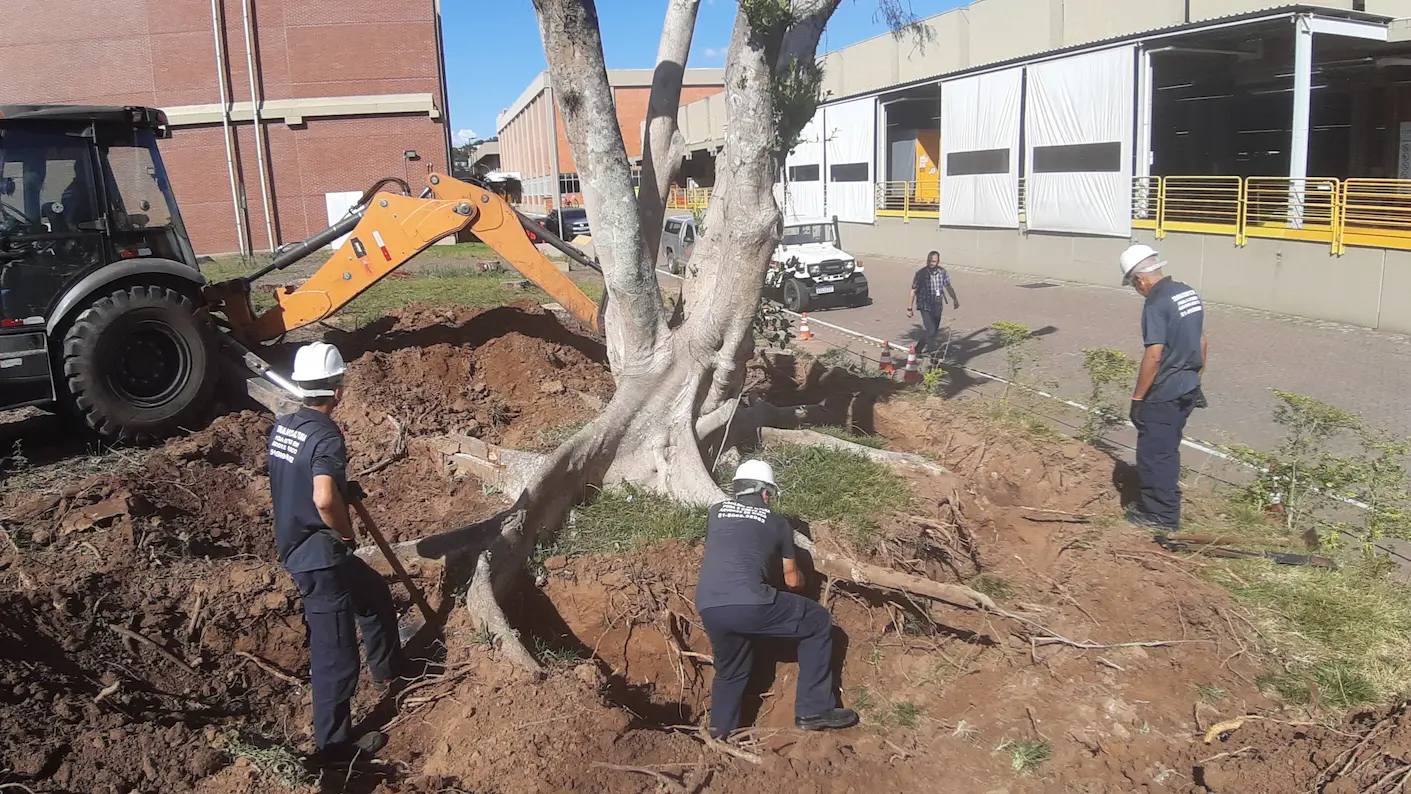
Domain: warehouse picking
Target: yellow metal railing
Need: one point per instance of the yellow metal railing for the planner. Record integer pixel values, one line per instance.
(695, 198)
(1367, 212)
(907, 200)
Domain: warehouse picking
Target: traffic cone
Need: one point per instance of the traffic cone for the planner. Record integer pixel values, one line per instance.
(804, 333)
(912, 373)
(885, 364)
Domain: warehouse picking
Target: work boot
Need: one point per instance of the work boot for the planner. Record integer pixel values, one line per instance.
(365, 746)
(1140, 518)
(830, 720)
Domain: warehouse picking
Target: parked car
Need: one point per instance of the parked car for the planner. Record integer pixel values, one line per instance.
(809, 268)
(678, 240)
(568, 223)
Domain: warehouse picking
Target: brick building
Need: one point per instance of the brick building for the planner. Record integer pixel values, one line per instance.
(533, 142)
(348, 90)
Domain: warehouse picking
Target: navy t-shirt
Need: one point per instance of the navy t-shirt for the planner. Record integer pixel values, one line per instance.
(1174, 318)
(742, 537)
(302, 446)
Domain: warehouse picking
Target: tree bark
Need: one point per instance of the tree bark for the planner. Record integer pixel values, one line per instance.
(663, 146)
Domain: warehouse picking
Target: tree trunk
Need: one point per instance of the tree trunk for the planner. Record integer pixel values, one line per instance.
(674, 386)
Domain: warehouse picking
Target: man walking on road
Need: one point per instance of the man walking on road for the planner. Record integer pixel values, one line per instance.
(1168, 384)
(737, 605)
(313, 533)
(928, 289)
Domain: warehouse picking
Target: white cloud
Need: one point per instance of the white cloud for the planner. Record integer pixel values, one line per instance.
(462, 137)
(714, 52)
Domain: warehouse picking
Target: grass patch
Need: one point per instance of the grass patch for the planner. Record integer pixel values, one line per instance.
(992, 586)
(1211, 693)
(861, 439)
(845, 489)
(449, 286)
(274, 760)
(549, 654)
(449, 281)
(906, 714)
(864, 699)
(549, 438)
(1026, 754)
(1346, 632)
(623, 519)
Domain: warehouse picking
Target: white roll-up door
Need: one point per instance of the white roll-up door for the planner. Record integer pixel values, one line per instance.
(850, 135)
(980, 150)
(1079, 114)
(803, 173)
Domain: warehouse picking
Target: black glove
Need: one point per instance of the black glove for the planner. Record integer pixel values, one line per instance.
(1135, 413)
(1200, 401)
(354, 492)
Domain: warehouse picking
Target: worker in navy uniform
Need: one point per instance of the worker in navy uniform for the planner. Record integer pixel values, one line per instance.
(313, 531)
(1168, 384)
(737, 605)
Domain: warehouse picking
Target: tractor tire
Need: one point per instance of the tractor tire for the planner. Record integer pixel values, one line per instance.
(795, 296)
(140, 364)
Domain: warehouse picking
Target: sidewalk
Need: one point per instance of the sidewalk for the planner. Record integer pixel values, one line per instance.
(1251, 353)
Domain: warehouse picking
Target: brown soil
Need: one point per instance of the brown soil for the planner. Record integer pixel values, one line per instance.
(174, 546)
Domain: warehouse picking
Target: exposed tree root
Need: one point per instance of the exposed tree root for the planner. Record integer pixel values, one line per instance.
(897, 460)
(847, 569)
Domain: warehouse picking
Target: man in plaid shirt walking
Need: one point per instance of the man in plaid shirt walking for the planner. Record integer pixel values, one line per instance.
(928, 290)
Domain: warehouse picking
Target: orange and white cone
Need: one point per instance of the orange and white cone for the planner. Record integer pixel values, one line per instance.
(804, 333)
(912, 373)
(885, 364)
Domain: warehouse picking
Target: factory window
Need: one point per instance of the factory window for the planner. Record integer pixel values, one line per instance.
(985, 161)
(1078, 158)
(848, 172)
(803, 173)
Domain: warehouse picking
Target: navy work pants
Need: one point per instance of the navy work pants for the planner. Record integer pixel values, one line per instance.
(335, 600)
(1160, 426)
(931, 322)
(731, 630)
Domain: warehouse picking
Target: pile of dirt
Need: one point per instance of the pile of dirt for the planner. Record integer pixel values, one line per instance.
(501, 375)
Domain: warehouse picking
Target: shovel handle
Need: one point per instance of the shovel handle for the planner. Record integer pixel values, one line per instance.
(392, 560)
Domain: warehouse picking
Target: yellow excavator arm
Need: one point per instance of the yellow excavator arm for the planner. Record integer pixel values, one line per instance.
(389, 230)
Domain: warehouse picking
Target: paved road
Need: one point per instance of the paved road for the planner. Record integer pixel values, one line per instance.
(1251, 352)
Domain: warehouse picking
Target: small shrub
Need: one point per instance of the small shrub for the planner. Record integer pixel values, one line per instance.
(1014, 338)
(1311, 484)
(773, 326)
(1106, 369)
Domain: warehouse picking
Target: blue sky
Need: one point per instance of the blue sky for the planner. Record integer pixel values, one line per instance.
(493, 49)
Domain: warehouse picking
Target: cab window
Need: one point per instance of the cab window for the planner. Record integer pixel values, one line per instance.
(46, 184)
(689, 236)
(673, 227)
(137, 187)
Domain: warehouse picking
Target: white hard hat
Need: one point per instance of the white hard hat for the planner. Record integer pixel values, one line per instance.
(757, 471)
(318, 367)
(1135, 260)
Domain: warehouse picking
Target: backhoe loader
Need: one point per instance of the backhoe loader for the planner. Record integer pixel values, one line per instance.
(104, 311)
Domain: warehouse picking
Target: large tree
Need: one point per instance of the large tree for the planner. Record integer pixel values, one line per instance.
(679, 374)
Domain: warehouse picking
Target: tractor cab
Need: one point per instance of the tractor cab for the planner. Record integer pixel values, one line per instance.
(86, 211)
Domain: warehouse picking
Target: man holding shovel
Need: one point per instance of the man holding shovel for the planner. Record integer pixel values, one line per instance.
(313, 532)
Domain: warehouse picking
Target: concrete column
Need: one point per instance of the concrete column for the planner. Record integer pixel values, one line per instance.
(1145, 99)
(1302, 90)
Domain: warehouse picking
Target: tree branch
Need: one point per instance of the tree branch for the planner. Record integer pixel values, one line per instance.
(663, 147)
(635, 324)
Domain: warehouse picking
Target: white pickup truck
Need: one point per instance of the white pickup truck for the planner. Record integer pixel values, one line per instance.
(808, 268)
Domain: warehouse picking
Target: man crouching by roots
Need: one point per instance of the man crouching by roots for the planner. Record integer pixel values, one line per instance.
(737, 606)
